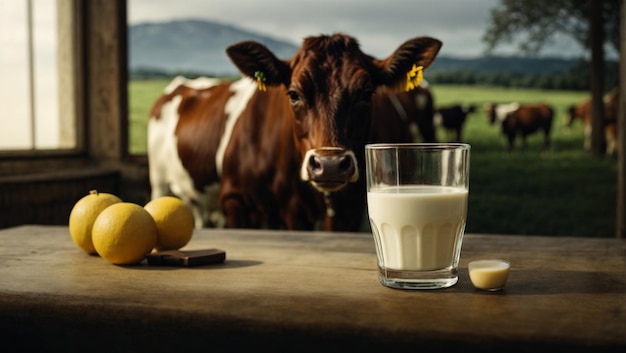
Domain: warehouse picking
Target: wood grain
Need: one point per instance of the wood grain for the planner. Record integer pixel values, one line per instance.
(308, 291)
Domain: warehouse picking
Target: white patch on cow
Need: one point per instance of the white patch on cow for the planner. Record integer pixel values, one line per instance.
(177, 81)
(167, 174)
(503, 110)
(162, 148)
(197, 83)
(243, 90)
(203, 83)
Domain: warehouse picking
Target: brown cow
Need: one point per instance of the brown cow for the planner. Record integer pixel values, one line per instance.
(403, 116)
(452, 118)
(289, 154)
(522, 119)
(582, 111)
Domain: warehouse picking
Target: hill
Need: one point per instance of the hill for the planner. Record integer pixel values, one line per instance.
(191, 46)
(199, 46)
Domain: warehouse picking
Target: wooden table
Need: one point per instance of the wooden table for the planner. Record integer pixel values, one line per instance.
(308, 291)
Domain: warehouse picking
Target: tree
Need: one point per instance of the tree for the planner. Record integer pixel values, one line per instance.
(590, 22)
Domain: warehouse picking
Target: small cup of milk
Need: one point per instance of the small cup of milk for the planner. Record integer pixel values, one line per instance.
(490, 275)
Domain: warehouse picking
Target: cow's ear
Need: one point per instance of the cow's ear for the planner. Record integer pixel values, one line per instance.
(255, 60)
(415, 52)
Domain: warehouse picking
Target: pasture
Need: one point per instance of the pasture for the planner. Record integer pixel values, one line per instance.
(562, 191)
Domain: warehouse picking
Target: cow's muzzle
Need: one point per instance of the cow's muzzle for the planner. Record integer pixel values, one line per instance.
(329, 168)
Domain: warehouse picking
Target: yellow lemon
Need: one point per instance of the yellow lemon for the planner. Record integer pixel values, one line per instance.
(124, 233)
(174, 222)
(84, 214)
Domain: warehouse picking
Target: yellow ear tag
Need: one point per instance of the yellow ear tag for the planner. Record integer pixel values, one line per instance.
(414, 77)
(260, 80)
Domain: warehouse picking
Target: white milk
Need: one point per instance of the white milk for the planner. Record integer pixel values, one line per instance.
(418, 227)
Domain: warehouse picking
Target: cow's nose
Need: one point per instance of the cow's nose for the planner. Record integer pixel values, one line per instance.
(330, 169)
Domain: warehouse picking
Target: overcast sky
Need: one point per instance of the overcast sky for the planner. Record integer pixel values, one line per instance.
(380, 25)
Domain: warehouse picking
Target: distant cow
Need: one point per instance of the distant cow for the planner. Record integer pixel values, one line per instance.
(286, 151)
(523, 120)
(403, 116)
(452, 118)
(582, 111)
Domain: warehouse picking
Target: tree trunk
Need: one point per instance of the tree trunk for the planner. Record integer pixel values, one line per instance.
(597, 79)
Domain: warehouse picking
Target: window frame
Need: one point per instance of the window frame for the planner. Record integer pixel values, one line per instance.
(68, 12)
(99, 91)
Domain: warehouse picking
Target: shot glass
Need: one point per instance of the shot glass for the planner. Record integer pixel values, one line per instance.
(417, 206)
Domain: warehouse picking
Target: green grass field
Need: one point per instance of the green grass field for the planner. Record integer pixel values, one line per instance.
(562, 191)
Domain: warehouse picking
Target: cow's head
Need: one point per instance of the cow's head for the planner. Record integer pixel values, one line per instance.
(329, 83)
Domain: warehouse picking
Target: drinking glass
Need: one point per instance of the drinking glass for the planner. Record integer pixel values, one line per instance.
(417, 206)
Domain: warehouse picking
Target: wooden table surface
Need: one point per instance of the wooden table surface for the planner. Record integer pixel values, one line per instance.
(308, 291)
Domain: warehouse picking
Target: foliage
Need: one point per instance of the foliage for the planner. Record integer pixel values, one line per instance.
(576, 78)
(541, 20)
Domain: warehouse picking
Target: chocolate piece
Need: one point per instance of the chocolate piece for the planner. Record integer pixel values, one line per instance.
(186, 257)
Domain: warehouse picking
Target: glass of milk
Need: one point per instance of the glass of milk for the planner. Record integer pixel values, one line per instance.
(417, 207)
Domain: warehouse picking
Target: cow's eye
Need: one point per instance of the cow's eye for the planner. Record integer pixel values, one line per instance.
(293, 96)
